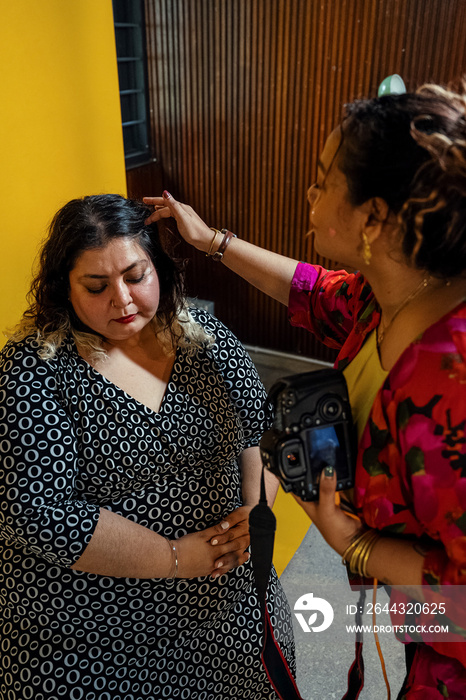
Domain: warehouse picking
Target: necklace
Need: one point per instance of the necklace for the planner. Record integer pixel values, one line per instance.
(381, 332)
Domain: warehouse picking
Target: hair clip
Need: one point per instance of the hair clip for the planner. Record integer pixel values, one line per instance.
(392, 85)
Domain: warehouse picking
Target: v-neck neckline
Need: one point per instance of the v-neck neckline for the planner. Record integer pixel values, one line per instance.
(145, 408)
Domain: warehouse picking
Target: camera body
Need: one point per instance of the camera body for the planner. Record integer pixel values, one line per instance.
(313, 428)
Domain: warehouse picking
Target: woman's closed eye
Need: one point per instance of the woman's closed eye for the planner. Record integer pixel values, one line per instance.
(129, 280)
(135, 280)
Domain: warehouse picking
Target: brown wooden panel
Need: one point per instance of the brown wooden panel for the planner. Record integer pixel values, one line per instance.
(143, 179)
(243, 95)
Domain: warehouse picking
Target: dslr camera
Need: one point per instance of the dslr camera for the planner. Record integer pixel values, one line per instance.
(313, 428)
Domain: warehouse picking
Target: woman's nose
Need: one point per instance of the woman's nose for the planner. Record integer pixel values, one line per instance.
(121, 296)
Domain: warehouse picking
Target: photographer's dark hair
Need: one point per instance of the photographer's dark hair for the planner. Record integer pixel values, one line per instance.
(92, 222)
(410, 150)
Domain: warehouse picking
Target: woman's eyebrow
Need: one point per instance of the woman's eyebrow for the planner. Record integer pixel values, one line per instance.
(127, 269)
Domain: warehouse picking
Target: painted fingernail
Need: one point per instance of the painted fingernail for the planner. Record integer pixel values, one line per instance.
(166, 194)
(219, 565)
(329, 471)
(224, 525)
(214, 541)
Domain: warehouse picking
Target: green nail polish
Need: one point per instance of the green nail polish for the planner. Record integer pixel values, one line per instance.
(329, 470)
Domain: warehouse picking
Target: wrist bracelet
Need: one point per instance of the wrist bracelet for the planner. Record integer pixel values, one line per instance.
(357, 554)
(219, 253)
(209, 252)
(173, 549)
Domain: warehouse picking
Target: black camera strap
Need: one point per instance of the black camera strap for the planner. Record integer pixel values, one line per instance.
(262, 525)
(356, 672)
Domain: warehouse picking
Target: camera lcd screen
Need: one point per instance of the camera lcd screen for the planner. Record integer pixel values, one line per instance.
(327, 447)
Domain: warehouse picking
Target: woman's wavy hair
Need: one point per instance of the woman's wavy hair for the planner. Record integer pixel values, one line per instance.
(89, 223)
(410, 150)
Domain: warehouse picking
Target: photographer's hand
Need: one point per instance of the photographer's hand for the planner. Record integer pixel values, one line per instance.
(392, 561)
(336, 527)
(266, 270)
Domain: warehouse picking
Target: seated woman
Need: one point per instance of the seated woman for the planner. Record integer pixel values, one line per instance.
(389, 201)
(129, 465)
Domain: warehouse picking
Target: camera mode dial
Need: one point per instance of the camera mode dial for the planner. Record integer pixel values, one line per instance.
(331, 408)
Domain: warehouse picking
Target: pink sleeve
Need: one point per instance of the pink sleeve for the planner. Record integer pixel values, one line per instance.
(324, 302)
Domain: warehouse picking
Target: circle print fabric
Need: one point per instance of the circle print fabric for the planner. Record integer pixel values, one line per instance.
(72, 442)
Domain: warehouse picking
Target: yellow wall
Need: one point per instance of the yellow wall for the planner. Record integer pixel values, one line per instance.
(60, 128)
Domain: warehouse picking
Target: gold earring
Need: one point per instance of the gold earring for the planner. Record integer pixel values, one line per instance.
(366, 251)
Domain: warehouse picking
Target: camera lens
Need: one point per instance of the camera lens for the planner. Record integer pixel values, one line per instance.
(331, 408)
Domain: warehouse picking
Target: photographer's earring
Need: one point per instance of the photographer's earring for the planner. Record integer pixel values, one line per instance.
(366, 249)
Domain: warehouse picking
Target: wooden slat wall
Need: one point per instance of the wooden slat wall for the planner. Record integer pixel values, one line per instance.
(243, 95)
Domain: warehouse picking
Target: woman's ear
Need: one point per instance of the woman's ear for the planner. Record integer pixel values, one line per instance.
(378, 214)
(380, 209)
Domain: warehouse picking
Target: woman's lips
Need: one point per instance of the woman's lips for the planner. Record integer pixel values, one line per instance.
(125, 319)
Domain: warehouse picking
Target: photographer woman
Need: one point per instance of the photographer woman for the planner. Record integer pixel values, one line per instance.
(128, 467)
(389, 201)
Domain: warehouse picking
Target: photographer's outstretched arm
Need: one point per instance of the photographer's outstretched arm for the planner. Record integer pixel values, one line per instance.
(391, 561)
(269, 272)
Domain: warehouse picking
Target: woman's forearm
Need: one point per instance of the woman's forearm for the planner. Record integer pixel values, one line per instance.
(397, 563)
(270, 272)
(120, 547)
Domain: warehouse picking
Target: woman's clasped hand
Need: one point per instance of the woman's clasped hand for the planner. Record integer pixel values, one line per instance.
(217, 549)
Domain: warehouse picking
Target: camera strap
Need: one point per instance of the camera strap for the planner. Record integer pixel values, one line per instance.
(262, 525)
(356, 672)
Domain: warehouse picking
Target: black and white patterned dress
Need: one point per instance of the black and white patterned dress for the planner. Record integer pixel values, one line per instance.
(71, 442)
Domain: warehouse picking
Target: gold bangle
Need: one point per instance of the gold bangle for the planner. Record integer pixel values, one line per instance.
(358, 560)
(209, 252)
(368, 553)
(359, 552)
(346, 556)
(356, 556)
(174, 559)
